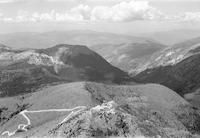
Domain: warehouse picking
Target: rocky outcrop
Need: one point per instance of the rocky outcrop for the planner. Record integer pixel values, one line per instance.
(120, 111)
(140, 111)
(113, 120)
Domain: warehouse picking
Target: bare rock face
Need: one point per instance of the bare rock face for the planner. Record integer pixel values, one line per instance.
(112, 120)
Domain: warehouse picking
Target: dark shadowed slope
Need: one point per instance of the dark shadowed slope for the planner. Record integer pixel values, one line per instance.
(26, 70)
(182, 77)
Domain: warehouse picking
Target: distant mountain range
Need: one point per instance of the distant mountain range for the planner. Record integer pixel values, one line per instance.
(174, 36)
(76, 37)
(123, 51)
(90, 38)
(23, 71)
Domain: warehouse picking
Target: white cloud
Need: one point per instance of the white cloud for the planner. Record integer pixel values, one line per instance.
(191, 16)
(123, 11)
(85, 1)
(126, 11)
(10, 1)
(184, 17)
(83, 10)
(6, 1)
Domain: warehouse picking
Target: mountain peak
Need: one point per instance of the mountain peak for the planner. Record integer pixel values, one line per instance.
(59, 63)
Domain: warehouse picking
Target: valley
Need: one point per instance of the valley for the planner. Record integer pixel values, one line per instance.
(99, 68)
(140, 88)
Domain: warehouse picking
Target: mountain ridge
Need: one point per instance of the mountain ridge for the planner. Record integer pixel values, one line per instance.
(176, 67)
(73, 37)
(32, 68)
(122, 110)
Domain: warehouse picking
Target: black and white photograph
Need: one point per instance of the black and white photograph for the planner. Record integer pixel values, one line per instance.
(99, 68)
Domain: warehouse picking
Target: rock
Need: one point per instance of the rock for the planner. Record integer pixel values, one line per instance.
(111, 120)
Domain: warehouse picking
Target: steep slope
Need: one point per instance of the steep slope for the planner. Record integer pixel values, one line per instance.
(27, 70)
(128, 56)
(143, 110)
(182, 77)
(176, 67)
(171, 55)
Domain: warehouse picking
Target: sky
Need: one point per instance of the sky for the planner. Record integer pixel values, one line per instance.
(116, 16)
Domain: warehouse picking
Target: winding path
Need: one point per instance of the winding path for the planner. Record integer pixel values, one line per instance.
(23, 113)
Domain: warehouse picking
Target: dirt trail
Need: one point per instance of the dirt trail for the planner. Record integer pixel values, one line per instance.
(23, 127)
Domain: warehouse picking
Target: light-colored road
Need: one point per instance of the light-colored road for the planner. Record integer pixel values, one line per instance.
(22, 127)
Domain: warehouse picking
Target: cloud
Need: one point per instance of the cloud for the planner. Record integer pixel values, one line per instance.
(126, 11)
(6, 1)
(184, 17)
(83, 10)
(191, 16)
(10, 1)
(123, 11)
(85, 1)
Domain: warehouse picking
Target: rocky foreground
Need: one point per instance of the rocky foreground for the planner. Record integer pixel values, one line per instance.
(113, 120)
(111, 111)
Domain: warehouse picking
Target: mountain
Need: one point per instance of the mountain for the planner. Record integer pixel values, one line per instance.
(149, 110)
(128, 56)
(74, 37)
(24, 71)
(173, 55)
(123, 51)
(176, 67)
(174, 36)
